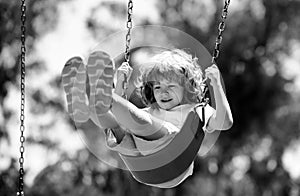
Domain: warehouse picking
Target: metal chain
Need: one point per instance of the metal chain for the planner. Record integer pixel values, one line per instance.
(128, 39)
(129, 27)
(218, 42)
(22, 115)
(221, 28)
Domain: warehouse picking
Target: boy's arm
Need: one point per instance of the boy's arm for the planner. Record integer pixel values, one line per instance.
(222, 118)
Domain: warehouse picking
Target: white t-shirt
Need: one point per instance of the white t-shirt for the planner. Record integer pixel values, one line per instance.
(178, 114)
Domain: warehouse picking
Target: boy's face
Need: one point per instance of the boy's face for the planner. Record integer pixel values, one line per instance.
(168, 94)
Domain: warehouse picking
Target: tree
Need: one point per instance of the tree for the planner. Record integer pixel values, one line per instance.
(246, 160)
(251, 67)
(10, 14)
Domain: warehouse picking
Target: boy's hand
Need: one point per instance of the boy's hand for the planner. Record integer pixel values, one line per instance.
(213, 74)
(124, 71)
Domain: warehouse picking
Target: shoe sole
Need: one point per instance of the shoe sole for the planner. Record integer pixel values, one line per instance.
(100, 70)
(74, 85)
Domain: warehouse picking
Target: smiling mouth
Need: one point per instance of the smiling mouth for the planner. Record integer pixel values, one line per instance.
(166, 100)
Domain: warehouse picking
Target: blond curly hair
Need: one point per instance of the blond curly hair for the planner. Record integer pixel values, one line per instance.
(173, 65)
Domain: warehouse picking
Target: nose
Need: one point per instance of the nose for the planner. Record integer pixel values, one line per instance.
(164, 90)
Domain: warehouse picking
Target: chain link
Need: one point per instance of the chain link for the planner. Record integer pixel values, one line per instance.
(129, 27)
(221, 29)
(22, 109)
(219, 38)
(127, 48)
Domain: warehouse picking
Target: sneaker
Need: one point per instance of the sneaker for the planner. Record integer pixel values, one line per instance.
(100, 69)
(74, 84)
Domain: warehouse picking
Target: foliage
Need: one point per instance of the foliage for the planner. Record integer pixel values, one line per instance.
(247, 159)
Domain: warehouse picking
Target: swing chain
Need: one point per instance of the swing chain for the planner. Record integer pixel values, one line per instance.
(221, 28)
(22, 115)
(128, 39)
(129, 27)
(218, 42)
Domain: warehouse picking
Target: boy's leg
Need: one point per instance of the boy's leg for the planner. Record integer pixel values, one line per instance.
(138, 121)
(73, 81)
(74, 84)
(103, 99)
(97, 62)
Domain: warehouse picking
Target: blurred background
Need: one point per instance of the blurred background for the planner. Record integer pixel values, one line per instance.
(259, 62)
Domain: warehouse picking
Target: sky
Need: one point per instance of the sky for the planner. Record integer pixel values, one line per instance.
(71, 38)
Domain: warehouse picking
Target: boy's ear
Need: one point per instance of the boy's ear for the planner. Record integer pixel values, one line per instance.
(147, 93)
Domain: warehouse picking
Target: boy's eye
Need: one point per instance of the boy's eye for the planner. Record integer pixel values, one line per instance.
(156, 87)
(172, 86)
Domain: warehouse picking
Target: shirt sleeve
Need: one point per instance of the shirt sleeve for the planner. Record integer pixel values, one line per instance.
(208, 112)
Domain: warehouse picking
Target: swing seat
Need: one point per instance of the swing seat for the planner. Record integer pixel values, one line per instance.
(171, 161)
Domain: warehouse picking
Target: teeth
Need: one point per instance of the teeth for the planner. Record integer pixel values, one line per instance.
(166, 100)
